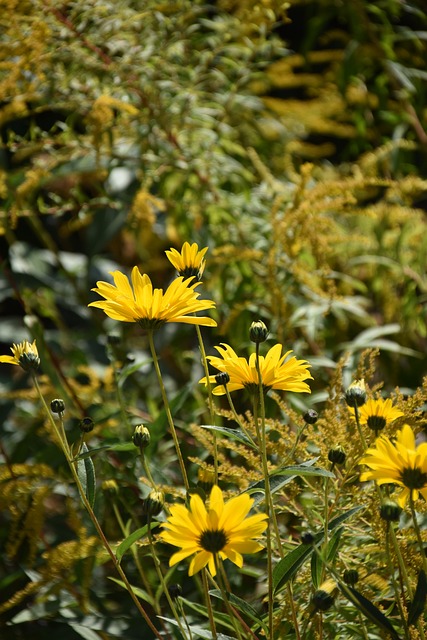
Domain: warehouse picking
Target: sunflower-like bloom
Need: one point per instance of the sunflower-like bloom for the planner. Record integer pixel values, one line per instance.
(189, 262)
(222, 530)
(150, 307)
(275, 372)
(402, 463)
(377, 414)
(25, 355)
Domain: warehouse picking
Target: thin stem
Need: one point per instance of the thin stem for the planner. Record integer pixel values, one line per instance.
(66, 450)
(418, 532)
(209, 604)
(261, 434)
(236, 416)
(224, 594)
(210, 399)
(393, 580)
(162, 580)
(167, 410)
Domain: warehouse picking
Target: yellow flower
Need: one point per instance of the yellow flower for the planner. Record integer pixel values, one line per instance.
(25, 355)
(222, 530)
(402, 463)
(150, 307)
(189, 262)
(275, 372)
(377, 414)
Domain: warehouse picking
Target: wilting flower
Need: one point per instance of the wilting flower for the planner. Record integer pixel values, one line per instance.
(25, 355)
(150, 307)
(377, 414)
(221, 530)
(189, 262)
(401, 462)
(277, 372)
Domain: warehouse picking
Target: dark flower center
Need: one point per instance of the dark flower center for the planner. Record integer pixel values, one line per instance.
(150, 323)
(213, 540)
(376, 423)
(190, 272)
(414, 478)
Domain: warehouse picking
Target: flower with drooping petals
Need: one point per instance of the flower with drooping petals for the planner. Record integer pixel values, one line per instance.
(377, 414)
(401, 462)
(189, 262)
(149, 307)
(221, 530)
(277, 371)
(25, 355)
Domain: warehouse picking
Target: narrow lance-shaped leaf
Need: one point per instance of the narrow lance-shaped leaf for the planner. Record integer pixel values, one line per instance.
(86, 474)
(369, 610)
(289, 565)
(132, 538)
(419, 600)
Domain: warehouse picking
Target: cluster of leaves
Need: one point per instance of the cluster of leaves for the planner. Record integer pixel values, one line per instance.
(289, 142)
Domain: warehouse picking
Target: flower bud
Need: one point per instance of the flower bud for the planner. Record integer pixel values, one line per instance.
(258, 332)
(390, 511)
(310, 416)
(153, 504)
(110, 486)
(141, 436)
(113, 339)
(351, 576)
(29, 361)
(337, 455)
(86, 425)
(57, 405)
(222, 378)
(355, 396)
(324, 597)
(307, 537)
(175, 590)
(205, 479)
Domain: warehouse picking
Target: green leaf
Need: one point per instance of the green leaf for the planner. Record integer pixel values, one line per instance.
(132, 538)
(235, 434)
(289, 565)
(198, 631)
(140, 593)
(242, 606)
(301, 471)
(277, 481)
(369, 610)
(86, 473)
(118, 446)
(419, 600)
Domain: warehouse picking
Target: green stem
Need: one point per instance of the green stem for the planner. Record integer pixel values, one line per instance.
(167, 410)
(418, 533)
(393, 581)
(261, 434)
(210, 399)
(236, 416)
(162, 580)
(209, 604)
(224, 594)
(66, 450)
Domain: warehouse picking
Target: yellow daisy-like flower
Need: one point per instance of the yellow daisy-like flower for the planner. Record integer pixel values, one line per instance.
(401, 462)
(189, 262)
(277, 372)
(377, 414)
(221, 530)
(151, 307)
(25, 355)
